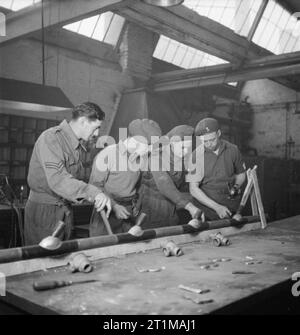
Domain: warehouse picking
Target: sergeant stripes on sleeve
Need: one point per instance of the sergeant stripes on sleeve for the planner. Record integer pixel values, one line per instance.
(55, 166)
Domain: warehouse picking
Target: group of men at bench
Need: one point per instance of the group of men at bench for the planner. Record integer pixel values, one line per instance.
(152, 182)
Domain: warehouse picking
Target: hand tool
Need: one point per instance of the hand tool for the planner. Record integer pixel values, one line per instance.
(52, 284)
(53, 242)
(106, 222)
(136, 230)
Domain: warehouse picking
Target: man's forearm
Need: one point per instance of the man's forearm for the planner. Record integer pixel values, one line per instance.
(199, 195)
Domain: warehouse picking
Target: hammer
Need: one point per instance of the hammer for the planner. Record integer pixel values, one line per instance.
(106, 222)
(136, 230)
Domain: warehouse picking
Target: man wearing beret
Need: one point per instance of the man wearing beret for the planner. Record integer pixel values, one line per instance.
(117, 171)
(224, 171)
(160, 194)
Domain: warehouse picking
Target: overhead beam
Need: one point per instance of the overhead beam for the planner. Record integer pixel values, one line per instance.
(266, 67)
(257, 19)
(56, 12)
(65, 39)
(188, 27)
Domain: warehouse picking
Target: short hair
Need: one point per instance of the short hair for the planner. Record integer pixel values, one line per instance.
(88, 109)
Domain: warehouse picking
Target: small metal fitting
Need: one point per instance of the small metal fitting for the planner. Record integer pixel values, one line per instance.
(220, 240)
(80, 263)
(171, 249)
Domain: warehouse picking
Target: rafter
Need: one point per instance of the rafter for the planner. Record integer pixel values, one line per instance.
(27, 21)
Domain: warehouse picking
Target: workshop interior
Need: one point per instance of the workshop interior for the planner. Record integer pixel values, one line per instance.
(223, 77)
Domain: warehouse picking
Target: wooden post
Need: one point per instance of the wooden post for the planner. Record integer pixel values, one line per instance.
(259, 201)
(252, 197)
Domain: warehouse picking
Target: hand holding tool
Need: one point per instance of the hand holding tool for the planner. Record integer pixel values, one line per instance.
(52, 284)
(136, 230)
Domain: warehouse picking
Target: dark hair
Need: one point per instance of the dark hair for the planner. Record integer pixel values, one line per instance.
(88, 109)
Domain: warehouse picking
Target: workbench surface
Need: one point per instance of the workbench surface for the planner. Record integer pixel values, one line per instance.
(272, 255)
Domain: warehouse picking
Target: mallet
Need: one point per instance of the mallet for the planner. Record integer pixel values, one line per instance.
(53, 242)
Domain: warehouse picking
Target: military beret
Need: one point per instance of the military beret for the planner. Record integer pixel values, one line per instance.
(145, 128)
(181, 131)
(206, 126)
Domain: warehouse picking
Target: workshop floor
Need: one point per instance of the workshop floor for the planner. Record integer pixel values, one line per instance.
(271, 256)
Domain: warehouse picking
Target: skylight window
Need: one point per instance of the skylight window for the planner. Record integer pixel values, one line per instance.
(237, 15)
(16, 5)
(182, 55)
(105, 27)
(278, 30)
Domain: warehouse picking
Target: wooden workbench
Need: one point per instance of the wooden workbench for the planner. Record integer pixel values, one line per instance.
(272, 256)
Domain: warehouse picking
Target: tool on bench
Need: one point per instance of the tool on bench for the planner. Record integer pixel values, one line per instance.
(193, 290)
(52, 284)
(53, 242)
(81, 263)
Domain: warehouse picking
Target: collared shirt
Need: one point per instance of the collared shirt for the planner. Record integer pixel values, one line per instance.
(114, 173)
(55, 166)
(219, 169)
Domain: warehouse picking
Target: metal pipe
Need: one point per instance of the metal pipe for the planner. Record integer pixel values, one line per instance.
(35, 251)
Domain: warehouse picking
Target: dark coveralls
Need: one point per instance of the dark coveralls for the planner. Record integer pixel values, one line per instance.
(54, 168)
(159, 194)
(219, 170)
(120, 183)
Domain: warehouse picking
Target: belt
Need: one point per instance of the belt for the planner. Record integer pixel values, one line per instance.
(216, 190)
(45, 198)
(126, 201)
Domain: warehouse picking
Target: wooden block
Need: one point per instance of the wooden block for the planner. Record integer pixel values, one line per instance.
(259, 201)
(252, 198)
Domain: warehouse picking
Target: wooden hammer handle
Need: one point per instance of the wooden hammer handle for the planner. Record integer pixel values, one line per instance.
(61, 225)
(106, 222)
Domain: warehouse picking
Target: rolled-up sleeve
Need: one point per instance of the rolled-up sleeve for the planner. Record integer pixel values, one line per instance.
(167, 188)
(59, 179)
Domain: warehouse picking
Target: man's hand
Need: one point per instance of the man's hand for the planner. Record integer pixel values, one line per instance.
(102, 201)
(223, 212)
(195, 212)
(121, 212)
